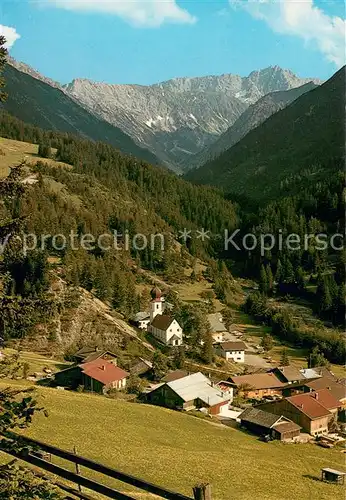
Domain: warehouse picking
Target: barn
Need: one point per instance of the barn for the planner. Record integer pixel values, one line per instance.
(263, 423)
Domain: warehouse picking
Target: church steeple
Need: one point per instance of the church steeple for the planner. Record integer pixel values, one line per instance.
(156, 304)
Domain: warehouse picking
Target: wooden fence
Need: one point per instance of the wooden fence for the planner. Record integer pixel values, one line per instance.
(29, 454)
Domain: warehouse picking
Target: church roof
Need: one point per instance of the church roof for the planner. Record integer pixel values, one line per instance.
(162, 321)
(155, 293)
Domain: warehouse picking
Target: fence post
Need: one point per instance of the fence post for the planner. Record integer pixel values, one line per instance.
(202, 492)
(77, 469)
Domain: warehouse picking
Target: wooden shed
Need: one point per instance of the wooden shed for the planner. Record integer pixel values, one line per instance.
(333, 476)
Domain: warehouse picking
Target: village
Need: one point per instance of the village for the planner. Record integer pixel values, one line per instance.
(270, 402)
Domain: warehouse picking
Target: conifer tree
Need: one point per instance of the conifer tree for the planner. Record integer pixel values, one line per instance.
(263, 281)
(284, 360)
(207, 351)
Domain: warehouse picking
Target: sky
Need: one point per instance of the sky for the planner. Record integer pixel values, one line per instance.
(148, 41)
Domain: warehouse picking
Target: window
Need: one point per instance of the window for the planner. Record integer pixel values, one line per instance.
(157, 306)
(238, 359)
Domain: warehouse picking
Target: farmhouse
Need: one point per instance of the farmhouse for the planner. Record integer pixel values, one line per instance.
(234, 351)
(72, 376)
(100, 376)
(163, 326)
(313, 411)
(258, 385)
(263, 423)
(188, 393)
(336, 388)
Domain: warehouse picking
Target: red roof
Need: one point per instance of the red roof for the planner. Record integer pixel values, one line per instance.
(103, 371)
(315, 404)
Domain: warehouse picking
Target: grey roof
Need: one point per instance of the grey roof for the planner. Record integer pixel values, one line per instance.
(140, 316)
(216, 323)
(334, 471)
(259, 417)
(309, 373)
(290, 373)
(198, 386)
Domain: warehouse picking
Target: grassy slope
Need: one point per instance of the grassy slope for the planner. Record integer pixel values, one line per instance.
(177, 450)
(14, 152)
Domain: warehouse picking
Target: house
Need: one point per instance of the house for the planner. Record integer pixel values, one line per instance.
(217, 327)
(101, 376)
(263, 423)
(140, 367)
(72, 376)
(195, 391)
(313, 411)
(258, 385)
(141, 320)
(234, 351)
(163, 327)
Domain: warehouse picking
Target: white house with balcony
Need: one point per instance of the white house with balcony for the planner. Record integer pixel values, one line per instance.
(232, 351)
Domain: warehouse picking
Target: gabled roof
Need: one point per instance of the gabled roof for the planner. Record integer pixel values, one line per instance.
(283, 427)
(176, 375)
(315, 404)
(103, 371)
(198, 386)
(162, 321)
(337, 389)
(324, 372)
(259, 417)
(232, 346)
(259, 381)
(97, 355)
(86, 351)
(290, 373)
(140, 366)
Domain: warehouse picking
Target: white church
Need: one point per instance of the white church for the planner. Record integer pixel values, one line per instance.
(162, 326)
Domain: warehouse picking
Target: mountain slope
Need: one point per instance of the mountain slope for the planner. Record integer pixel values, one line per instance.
(178, 118)
(40, 104)
(309, 132)
(252, 117)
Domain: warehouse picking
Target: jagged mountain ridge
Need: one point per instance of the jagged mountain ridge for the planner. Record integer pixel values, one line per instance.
(308, 135)
(252, 117)
(36, 101)
(178, 118)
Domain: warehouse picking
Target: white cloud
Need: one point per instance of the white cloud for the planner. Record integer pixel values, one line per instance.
(304, 19)
(10, 34)
(150, 13)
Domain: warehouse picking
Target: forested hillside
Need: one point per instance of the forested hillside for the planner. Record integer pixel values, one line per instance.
(40, 104)
(252, 117)
(308, 134)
